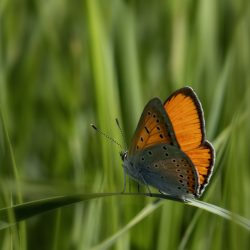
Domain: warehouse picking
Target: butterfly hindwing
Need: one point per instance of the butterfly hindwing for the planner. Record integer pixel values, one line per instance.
(203, 159)
(167, 168)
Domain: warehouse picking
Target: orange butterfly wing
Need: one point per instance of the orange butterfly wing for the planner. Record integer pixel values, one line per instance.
(186, 115)
(154, 127)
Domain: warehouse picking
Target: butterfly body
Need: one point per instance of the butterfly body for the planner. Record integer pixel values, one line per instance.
(169, 150)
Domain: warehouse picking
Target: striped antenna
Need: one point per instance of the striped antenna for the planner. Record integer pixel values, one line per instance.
(107, 136)
(121, 131)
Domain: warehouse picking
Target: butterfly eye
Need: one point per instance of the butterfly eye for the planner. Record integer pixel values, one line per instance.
(124, 155)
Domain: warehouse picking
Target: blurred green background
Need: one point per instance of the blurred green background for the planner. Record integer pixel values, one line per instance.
(66, 64)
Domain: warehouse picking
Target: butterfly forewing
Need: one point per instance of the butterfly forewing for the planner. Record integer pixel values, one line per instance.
(186, 115)
(153, 128)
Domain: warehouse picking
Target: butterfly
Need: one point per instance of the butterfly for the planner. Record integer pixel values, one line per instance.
(169, 150)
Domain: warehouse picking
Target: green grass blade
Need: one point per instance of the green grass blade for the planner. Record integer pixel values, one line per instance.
(241, 221)
(29, 209)
(150, 208)
(10, 152)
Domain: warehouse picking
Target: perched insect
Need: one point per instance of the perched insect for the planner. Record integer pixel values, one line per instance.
(169, 150)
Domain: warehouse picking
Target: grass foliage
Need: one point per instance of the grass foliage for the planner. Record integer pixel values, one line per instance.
(66, 64)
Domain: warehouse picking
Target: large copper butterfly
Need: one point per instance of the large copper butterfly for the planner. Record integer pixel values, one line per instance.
(169, 150)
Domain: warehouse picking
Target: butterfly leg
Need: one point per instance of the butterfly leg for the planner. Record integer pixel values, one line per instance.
(149, 191)
(138, 187)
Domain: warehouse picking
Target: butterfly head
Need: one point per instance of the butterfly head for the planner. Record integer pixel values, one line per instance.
(124, 155)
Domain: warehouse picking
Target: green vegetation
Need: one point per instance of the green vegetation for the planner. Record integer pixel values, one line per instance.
(66, 64)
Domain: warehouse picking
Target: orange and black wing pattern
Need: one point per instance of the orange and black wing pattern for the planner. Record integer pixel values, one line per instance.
(153, 128)
(186, 115)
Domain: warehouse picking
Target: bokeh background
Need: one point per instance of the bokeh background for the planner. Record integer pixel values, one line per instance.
(66, 64)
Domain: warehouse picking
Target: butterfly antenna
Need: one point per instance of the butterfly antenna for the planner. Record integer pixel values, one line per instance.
(121, 131)
(107, 136)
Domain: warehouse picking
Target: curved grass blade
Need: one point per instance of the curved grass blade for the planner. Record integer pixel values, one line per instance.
(26, 210)
(241, 221)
